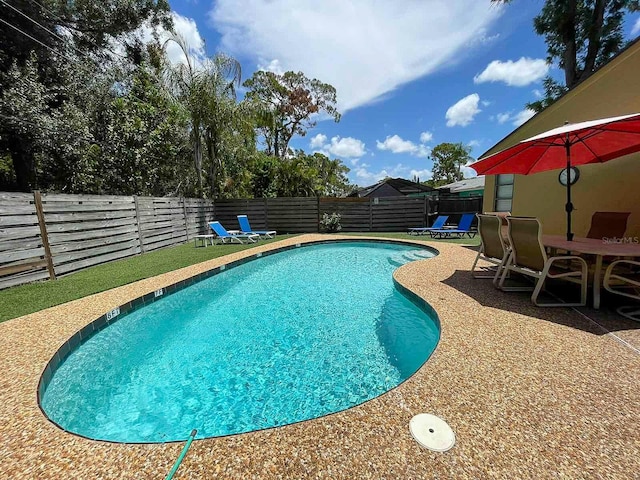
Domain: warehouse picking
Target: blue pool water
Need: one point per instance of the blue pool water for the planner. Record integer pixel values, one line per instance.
(287, 337)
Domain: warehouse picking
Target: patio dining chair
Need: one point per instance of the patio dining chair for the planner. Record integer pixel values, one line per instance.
(608, 225)
(493, 248)
(528, 257)
(623, 278)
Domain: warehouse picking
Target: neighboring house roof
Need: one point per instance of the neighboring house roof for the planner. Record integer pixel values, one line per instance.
(475, 183)
(402, 186)
(513, 137)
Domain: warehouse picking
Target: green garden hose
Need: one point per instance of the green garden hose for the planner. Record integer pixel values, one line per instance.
(182, 455)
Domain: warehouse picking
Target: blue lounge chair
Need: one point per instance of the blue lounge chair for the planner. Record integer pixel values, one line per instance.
(464, 227)
(225, 236)
(437, 225)
(243, 220)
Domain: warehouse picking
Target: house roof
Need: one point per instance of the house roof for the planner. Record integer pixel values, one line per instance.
(635, 44)
(475, 183)
(404, 187)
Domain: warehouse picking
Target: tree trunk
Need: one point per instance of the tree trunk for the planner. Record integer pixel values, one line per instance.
(594, 40)
(23, 165)
(197, 155)
(568, 29)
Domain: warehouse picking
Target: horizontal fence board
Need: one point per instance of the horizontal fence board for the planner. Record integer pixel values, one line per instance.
(72, 197)
(16, 197)
(23, 266)
(164, 243)
(15, 255)
(88, 216)
(96, 242)
(93, 252)
(17, 209)
(92, 225)
(18, 220)
(88, 262)
(12, 281)
(62, 237)
(13, 233)
(20, 244)
(71, 207)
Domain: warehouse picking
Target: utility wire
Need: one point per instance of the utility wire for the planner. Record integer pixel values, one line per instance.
(36, 40)
(38, 24)
(56, 17)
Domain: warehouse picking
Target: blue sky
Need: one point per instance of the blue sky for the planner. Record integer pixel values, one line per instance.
(409, 74)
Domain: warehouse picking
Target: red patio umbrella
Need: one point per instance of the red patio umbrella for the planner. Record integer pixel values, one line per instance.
(594, 141)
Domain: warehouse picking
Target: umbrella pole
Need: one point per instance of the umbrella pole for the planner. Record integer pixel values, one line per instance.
(569, 205)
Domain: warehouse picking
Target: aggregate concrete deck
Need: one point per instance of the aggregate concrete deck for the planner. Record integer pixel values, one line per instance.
(530, 393)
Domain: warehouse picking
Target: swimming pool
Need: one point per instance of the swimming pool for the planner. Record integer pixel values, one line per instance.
(283, 338)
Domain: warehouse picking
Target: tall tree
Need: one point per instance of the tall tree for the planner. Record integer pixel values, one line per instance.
(448, 160)
(207, 90)
(581, 35)
(56, 37)
(288, 105)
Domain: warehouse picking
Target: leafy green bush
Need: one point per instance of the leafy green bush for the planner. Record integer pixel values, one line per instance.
(330, 223)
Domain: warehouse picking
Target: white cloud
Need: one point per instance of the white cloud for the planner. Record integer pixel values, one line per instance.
(184, 26)
(318, 141)
(347, 147)
(347, 43)
(362, 176)
(516, 119)
(538, 93)
(503, 117)
(468, 172)
(484, 39)
(474, 143)
(522, 116)
(515, 74)
(273, 66)
(423, 175)
(485, 103)
(462, 112)
(636, 28)
(426, 137)
(395, 144)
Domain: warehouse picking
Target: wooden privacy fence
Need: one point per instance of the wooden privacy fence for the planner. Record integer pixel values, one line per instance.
(47, 235)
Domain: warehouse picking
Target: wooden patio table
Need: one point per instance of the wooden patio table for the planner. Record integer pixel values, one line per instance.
(593, 246)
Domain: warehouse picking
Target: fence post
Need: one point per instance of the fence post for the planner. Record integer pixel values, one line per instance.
(318, 215)
(186, 220)
(135, 200)
(370, 214)
(43, 234)
(266, 213)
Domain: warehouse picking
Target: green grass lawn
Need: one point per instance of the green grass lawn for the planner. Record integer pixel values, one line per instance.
(25, 299)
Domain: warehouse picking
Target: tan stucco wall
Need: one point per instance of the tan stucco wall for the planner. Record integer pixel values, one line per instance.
(612, 186)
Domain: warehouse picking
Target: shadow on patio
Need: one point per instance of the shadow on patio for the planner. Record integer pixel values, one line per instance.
(597, 323)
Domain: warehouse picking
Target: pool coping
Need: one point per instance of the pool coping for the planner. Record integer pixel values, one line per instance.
(115, 314)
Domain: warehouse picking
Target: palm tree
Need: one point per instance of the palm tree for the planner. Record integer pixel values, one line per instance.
(207, 89)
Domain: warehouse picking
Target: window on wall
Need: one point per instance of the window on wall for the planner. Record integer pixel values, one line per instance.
(504, 192)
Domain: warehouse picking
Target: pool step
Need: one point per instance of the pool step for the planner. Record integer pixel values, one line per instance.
(400, 259)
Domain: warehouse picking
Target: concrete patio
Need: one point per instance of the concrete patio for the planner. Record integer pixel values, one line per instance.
(530, 393)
